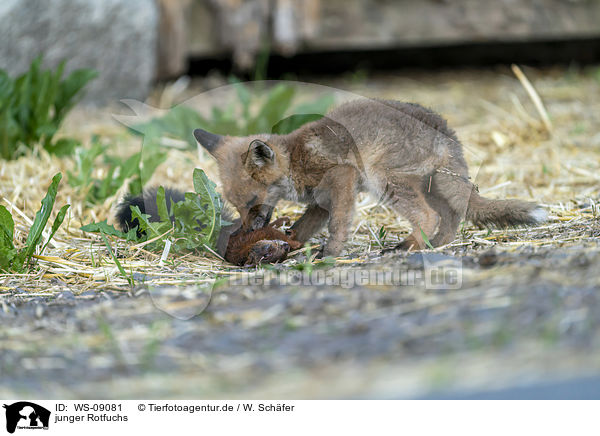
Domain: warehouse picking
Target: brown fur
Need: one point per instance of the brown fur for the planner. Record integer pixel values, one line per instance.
(266, 245)
(402, 153)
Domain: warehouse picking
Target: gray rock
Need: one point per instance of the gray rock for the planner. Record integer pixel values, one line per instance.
(115, 37)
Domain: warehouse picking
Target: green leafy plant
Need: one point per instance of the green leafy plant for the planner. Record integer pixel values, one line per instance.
(134, 170)
(33, 106)
(18, 259)
(250, 114)
(106, 229)
(191, 225)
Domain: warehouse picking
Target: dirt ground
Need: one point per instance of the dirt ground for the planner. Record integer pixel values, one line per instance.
(515, 309)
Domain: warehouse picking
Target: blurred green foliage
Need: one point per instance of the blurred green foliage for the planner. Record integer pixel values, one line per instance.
(33, 106)
(135, 170)
(249, 114)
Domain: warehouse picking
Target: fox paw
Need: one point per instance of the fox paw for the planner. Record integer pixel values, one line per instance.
(331, 250)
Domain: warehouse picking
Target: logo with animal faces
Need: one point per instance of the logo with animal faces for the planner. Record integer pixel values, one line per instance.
(24, 415)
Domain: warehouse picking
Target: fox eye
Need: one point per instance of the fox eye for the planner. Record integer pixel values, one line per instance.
(251, 202)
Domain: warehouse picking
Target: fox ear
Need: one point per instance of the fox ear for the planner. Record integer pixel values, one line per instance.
(259, 154)
(208, 140)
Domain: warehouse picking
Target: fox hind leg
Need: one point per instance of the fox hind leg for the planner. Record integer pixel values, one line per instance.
(404, 195)
(449, 195)
(449, 221)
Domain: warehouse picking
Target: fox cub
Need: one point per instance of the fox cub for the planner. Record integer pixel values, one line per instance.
(402, 153)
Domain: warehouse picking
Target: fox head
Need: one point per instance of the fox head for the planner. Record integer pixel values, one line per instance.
(253, 171)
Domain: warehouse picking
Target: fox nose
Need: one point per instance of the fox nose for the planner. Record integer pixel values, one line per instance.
(286, 246)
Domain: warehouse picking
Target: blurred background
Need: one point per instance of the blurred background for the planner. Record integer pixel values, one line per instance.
(134, 43)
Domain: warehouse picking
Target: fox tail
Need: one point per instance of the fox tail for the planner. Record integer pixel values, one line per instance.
(503, 213)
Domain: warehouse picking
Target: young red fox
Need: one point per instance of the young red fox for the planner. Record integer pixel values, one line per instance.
(402, 153)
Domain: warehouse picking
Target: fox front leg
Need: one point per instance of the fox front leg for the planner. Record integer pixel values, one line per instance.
(338, 188)
(313, 219)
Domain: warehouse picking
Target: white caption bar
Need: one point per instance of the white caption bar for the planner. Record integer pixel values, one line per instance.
(179, 417)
